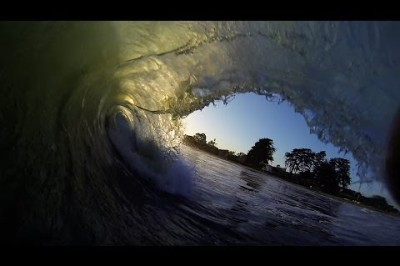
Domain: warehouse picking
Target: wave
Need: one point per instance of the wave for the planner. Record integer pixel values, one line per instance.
(91, 111)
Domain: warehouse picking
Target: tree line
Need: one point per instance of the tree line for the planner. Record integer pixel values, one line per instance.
(311, 168)
(302, 166)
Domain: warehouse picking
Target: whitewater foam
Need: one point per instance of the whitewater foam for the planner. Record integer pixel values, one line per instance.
(144, 158)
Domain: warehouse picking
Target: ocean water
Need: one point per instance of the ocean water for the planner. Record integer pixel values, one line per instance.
(259, 209)
(90, 116)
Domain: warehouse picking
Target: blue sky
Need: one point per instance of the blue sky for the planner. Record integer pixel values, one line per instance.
(249, 117)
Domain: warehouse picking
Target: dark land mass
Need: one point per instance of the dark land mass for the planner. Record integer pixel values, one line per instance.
(377, 203)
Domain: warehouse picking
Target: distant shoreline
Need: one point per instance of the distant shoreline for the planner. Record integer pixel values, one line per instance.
(338, 198)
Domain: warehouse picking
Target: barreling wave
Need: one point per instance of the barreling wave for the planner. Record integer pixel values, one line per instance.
(90, 111)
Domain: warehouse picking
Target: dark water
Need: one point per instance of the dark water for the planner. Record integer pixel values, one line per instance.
(242, 206)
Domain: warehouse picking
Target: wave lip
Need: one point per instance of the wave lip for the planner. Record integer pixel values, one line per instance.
(142, 156)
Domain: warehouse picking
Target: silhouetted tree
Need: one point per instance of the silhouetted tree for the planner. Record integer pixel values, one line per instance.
(261, 153)
(319, 158)
(334, 174)
(201, 138)
(300, 160)
(326, 176)
(290, 162)
(342, 170)
(212, 143)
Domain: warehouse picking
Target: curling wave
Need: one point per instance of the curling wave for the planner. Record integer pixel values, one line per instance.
(90, 111)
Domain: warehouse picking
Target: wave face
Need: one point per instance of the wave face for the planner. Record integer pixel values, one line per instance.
(90, 111)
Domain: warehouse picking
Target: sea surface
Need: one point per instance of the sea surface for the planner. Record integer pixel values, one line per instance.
(241, 206)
